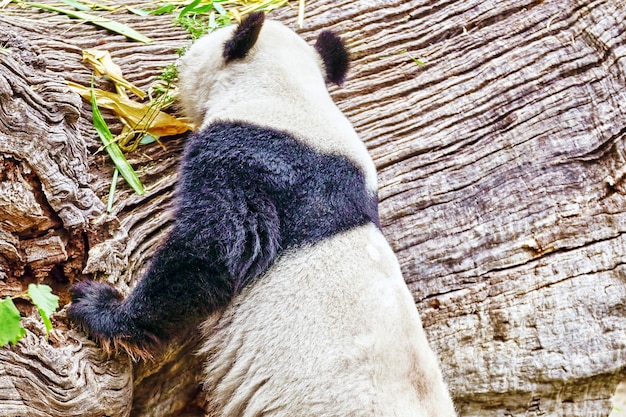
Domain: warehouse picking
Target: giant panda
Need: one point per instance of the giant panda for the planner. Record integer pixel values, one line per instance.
(276, 246)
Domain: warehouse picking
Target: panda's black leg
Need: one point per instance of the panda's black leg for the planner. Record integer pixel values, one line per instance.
(182, 286)
(197, 270)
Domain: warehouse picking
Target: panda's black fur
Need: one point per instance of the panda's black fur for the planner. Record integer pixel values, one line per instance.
(276, 239)
(246, 193)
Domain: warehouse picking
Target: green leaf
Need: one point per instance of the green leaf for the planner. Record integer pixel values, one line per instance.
(11, 330)
(45, 301)
(188, 8)
(113, 148)
(203, 9)
(164, 9)
(212, 21)
(417, 61)
(220, 9)
(138, 12)
(96, 20)
(112, 191)
(77, 5)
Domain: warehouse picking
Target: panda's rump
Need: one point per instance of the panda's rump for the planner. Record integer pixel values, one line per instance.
(329, 330)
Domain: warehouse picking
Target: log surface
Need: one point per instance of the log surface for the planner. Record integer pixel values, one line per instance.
(502, 183)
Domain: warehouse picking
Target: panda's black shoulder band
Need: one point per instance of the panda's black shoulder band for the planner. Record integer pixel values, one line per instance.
(244, 37)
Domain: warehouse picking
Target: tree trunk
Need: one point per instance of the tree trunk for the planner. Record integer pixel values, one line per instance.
(502, 186)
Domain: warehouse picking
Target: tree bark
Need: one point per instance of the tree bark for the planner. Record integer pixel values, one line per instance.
(502, 187)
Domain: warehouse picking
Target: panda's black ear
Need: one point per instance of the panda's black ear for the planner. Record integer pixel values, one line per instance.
(245, 37)
(335, 56)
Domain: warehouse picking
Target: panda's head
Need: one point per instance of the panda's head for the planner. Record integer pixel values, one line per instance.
(256, 55)
(329, 46)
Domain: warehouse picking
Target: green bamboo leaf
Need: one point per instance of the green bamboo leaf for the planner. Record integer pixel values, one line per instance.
(212, 21)
(164, 9)
(188, 8)
(203, 9)
(45, 301)
(112, 190)
(113, 148)
(77, 5)
(220, 9)
(11, 330)
(96, 20)
(138, 12)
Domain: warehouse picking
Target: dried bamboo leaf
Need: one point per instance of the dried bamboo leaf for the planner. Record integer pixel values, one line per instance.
(103, 65)
(134, 114)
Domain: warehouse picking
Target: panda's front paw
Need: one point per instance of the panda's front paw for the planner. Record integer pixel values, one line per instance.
(91, 296)
(97, 308)
(93, 308)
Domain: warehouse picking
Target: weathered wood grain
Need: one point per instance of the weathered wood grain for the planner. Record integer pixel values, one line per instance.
(46, 206)
(502, 185)
(45, 378)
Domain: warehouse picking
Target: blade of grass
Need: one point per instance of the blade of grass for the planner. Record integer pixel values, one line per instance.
(113, 148)
(96, 20)
(112, 191)
(417, 61)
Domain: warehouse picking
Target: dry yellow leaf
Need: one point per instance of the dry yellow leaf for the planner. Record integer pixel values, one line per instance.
(103, 65)
(138, 116)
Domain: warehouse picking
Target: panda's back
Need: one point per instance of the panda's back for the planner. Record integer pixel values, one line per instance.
(313, 194)
(351, 343)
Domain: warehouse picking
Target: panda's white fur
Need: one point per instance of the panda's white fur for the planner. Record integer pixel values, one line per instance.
(330, 329)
